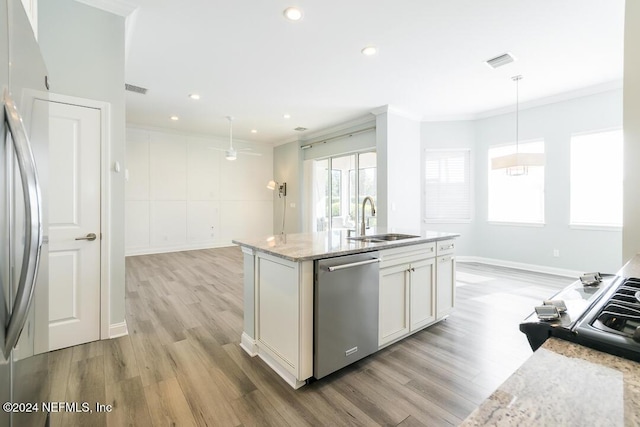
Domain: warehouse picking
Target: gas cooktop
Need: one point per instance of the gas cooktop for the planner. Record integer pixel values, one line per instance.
(605, 316)
(612, 325)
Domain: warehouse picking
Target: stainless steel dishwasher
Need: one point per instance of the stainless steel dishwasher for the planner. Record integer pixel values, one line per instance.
(345, 311)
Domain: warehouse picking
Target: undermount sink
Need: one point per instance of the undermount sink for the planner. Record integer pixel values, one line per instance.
(389, 237)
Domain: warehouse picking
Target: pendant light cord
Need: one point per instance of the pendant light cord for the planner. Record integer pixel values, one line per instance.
(517, 80)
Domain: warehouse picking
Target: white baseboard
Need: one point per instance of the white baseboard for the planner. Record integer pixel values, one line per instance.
(118, 330)
(175, 248)
(522, 266)
(248, 344)
(280, 370)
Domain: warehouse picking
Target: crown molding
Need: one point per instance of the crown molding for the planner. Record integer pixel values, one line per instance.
(565, 96)
(396, 111)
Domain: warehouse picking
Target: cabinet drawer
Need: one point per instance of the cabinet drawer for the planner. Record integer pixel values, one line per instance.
(404, 254)
(445, 247)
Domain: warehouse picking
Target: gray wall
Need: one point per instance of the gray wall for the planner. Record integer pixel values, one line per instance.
(83, 48)
(631, 236)
(580, 249)
(448, 135)
(287, 167)
(402, 174)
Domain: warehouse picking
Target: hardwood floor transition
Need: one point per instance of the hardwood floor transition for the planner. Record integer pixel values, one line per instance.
(181, 363)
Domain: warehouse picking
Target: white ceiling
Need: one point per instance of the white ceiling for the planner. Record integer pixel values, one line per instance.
(246, 60)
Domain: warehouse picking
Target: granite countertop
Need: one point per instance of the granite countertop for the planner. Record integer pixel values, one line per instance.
(565, 384)
(310, 246)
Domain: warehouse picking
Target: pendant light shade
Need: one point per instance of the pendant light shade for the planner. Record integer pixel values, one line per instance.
(517, 163)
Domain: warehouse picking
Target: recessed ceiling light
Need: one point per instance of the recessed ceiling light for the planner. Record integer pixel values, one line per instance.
(254, 131)
(287, 116)
(369, 50)
(194, 96)
(175, 118)
(293, 14)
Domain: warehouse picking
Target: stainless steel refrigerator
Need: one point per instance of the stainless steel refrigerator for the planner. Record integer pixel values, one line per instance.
(24, 378)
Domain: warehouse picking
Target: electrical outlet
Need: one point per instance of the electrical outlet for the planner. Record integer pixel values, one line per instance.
(556, 253)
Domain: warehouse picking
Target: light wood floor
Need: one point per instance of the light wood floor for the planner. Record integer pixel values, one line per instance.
(181, 363)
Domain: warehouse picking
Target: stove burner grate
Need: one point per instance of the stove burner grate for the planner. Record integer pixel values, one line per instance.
(621, 313)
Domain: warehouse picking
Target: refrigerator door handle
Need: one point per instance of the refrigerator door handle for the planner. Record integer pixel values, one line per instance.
(33, 222)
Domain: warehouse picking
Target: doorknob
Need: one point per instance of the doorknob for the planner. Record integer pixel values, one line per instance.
(90, 237)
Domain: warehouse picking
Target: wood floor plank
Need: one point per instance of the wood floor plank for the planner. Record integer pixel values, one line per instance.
(86, 384)
(255, 410)
(208, 401)
(153, 362)
(129, 405)
(119, 360)
(167, 404)
(87, 351)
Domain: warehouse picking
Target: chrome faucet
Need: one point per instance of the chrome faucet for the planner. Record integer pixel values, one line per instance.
(363, 226)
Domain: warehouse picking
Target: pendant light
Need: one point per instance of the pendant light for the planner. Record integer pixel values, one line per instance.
(518, 163)
(231, 153)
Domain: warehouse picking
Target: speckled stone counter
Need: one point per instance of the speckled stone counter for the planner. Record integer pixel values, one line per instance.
(565, 384)
(309, 246)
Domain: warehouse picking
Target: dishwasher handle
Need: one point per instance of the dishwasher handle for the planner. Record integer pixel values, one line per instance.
(353, 264)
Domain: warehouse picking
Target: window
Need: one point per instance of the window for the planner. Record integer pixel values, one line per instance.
(447, 185)
(518, 199)
(596, 179)
(337, 196)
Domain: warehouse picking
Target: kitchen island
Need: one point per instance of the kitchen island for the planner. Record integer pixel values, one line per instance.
(416, 289)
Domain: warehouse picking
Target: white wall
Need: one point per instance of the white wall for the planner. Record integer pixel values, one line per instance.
(182, 193)
(580, 249)
(399, 184)
(83, 48)
(452, 135)
(631, 237)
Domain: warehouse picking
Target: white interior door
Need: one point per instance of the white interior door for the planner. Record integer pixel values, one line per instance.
(74, 225)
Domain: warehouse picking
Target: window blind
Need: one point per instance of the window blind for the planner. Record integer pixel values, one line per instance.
(447, 185)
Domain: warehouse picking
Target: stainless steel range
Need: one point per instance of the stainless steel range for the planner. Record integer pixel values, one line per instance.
(604, 316)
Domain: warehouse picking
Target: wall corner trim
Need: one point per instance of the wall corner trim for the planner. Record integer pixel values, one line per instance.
(117, 7)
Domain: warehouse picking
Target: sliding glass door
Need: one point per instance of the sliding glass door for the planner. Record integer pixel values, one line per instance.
(340, 184)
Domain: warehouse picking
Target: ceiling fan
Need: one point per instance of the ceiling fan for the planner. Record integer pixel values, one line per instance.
(232, 153)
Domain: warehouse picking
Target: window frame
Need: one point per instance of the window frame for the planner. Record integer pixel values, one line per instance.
(594, 226)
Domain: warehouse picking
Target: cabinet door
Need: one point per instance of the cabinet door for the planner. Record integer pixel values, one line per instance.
(446, 285)
(277, 308)
(423, 276)
(394, 303)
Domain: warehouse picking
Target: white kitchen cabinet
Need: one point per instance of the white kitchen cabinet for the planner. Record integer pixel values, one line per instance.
(422, 275)
(407, 278)
(284, 314)
(393, 320)
(445, 285)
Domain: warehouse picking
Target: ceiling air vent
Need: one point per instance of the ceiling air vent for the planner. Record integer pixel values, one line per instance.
(136, 89)
(500, 60)
(300, 129)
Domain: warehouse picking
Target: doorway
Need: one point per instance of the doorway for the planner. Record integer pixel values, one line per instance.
(75, 220)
